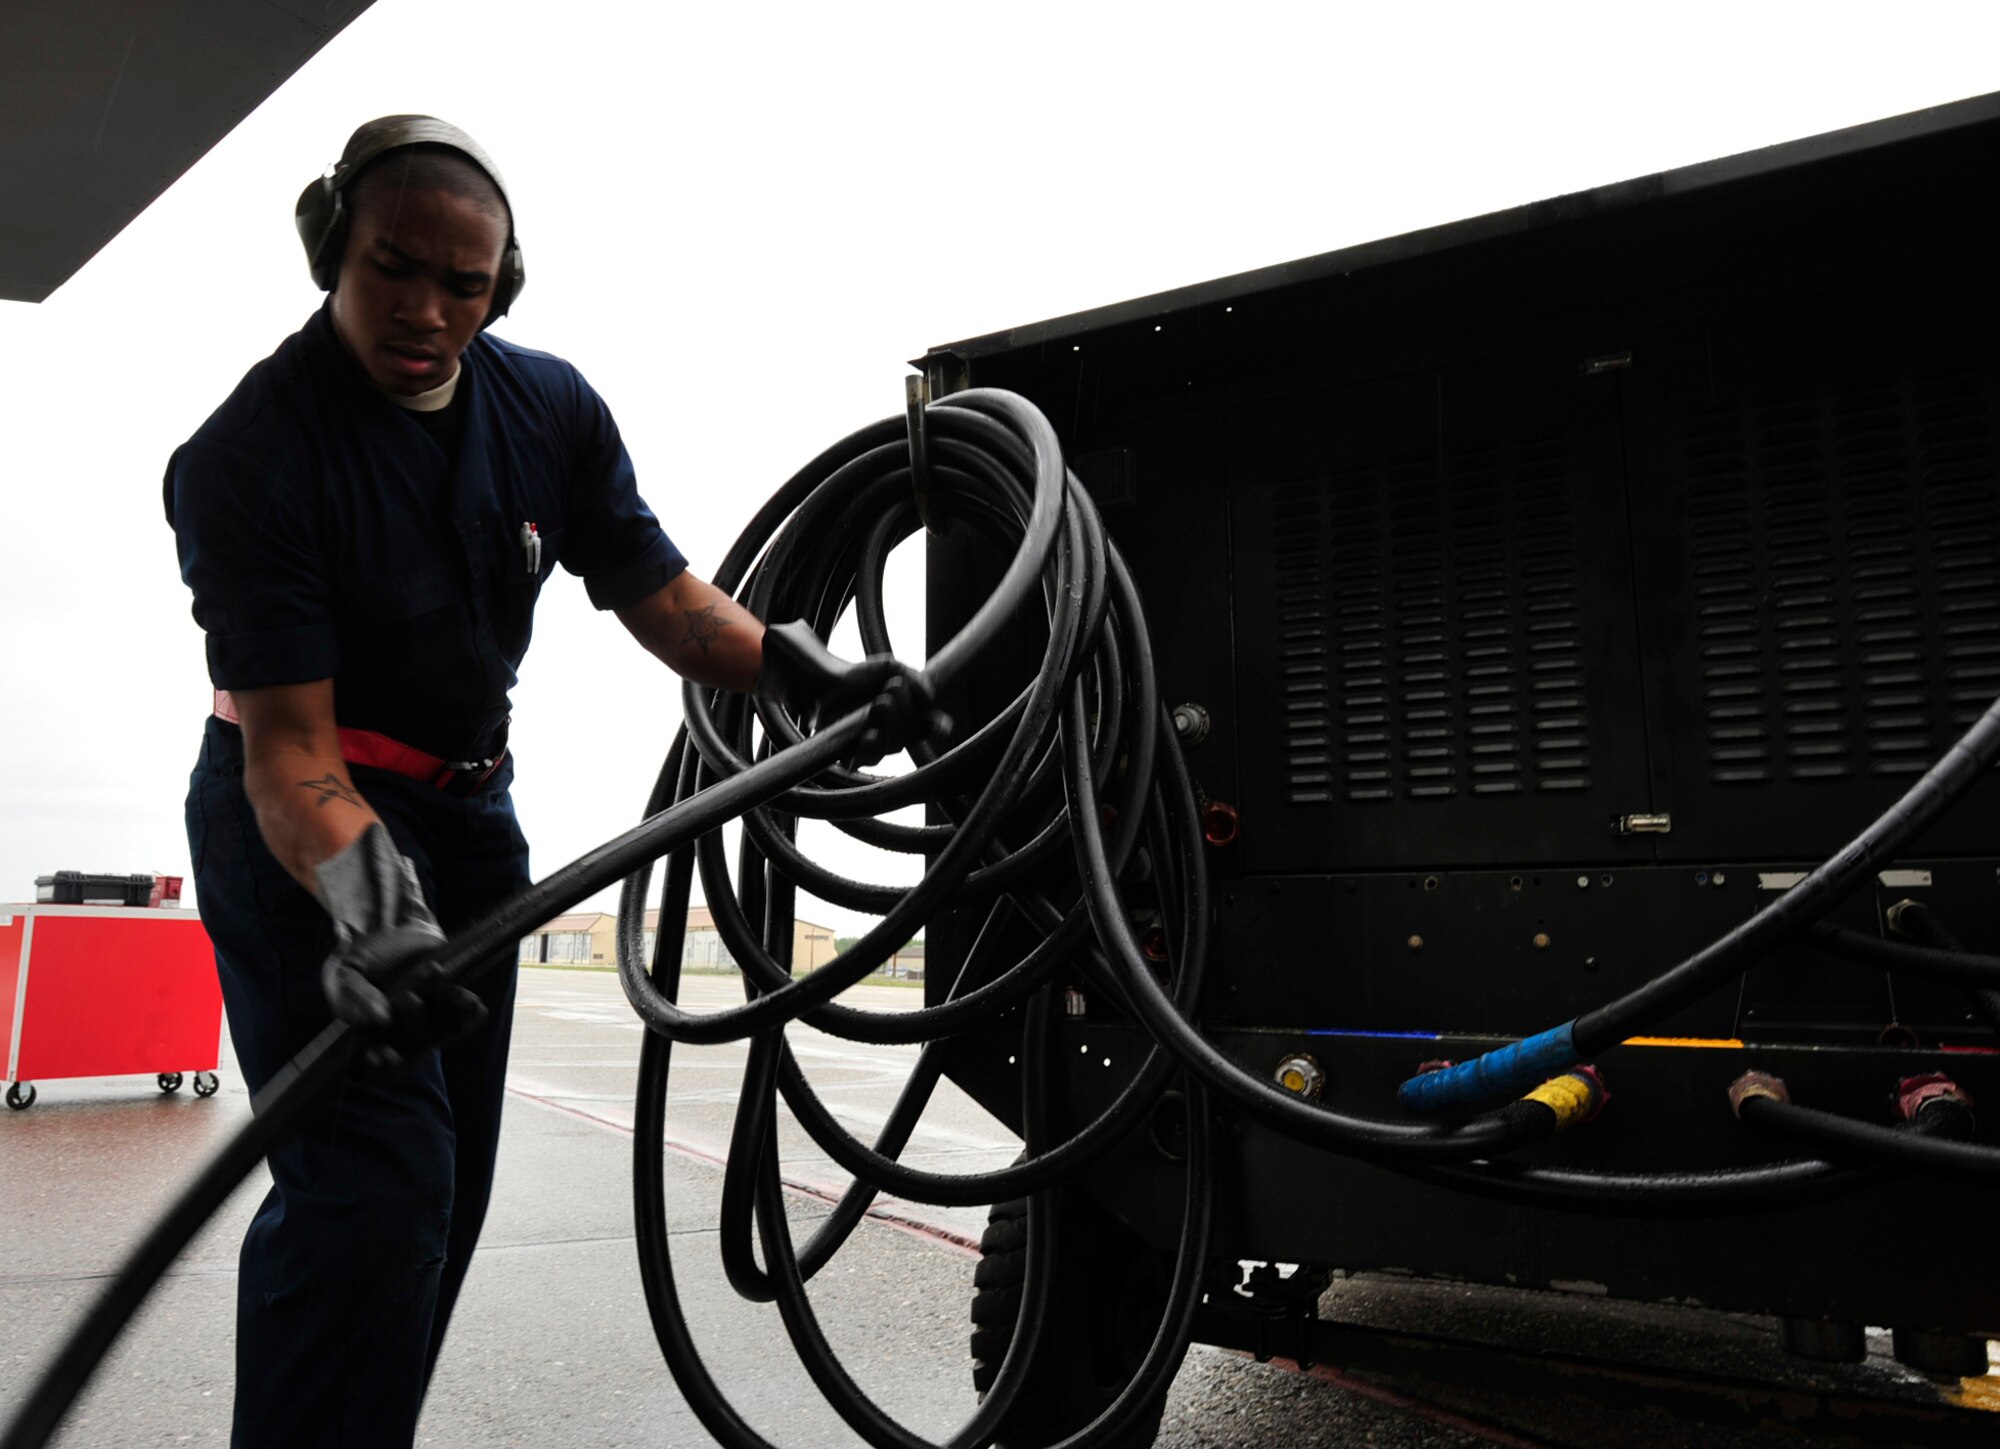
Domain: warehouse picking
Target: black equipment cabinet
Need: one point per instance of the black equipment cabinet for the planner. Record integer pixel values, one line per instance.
(1486, 548)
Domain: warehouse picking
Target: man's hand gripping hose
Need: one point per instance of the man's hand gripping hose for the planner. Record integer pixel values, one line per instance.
(383, 976)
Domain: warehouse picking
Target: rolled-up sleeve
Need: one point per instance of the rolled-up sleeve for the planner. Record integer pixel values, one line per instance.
(615, 544)
(249, 550)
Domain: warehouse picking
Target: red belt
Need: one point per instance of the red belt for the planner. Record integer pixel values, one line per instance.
(379, 752)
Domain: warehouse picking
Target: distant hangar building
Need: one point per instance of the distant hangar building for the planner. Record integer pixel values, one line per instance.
(589, 938)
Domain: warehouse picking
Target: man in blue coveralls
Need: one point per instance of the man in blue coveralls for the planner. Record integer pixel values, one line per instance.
(365, 524)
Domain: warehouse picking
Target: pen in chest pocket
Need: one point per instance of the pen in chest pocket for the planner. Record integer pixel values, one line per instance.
(531, 548)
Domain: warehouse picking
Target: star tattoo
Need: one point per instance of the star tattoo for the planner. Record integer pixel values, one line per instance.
(331, 787)
(703, 627)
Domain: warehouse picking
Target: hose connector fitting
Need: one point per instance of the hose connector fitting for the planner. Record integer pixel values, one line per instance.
(1756, 1084)
(1575, 1097)
(1300, 1074)
(1895, 916)
(1914, 1094)
(1220, 824)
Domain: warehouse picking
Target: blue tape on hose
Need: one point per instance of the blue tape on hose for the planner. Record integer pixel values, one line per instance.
(1501, 1074)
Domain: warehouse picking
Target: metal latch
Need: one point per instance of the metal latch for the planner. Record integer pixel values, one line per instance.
(1659, 824)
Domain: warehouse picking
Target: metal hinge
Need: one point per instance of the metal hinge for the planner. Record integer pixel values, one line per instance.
(1660, 824)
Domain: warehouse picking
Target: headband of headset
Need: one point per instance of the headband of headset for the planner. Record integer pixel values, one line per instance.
(322, 215)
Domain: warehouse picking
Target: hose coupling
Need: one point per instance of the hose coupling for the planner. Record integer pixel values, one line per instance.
(1300, 1074)
(1191, 723)
(1915, 1094)
(1756, 1084)
(1576, 1097)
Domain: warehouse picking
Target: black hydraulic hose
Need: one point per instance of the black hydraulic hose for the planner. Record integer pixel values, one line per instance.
(1720, 1192)
(1957, 967)
(302, 1083)
(1513, 1126)
(317, 1070)
(1508, 1069)
(1843, 1137)
(1070, 727)
(1968, 760)
(1922, 925)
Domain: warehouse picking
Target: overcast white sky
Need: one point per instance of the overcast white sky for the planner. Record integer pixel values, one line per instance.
(741, 220)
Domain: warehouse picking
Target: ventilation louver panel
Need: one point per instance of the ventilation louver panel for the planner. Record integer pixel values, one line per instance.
(1844, 558)
(1429, 624)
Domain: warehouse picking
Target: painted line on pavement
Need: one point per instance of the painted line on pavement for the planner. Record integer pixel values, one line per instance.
(916, 1227)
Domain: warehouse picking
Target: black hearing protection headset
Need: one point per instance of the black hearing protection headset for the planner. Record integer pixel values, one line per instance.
(322, 215)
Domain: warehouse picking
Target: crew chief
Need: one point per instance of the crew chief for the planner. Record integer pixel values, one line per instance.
(365, 524)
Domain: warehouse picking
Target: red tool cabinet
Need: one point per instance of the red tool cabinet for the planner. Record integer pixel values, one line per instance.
(97, 991)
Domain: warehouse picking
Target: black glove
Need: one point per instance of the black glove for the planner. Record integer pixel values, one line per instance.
(383, 974)
(801, 676)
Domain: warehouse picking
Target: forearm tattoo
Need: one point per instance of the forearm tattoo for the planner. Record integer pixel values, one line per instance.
(331, 787)
(703, 627)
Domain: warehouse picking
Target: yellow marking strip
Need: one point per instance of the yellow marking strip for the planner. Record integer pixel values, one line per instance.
(1682, 1041)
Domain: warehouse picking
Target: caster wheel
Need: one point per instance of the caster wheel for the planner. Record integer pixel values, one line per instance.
(205, 1084)
(170, 1081)
(21, 1096)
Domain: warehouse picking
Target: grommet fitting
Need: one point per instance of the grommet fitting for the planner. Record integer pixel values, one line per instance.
(1191, 723)
(1300, 1075)
(1756, 1084)
(1913, 1094)
(1219, 823)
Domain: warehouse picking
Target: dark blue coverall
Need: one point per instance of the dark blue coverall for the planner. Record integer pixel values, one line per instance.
(328, 533)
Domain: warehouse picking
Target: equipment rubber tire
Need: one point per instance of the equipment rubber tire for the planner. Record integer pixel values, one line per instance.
(1104, 1308)
(21, 1096)
(169, 1081)
(205, 1084)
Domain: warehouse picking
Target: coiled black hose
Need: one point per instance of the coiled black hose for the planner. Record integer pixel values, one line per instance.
(1012, 800)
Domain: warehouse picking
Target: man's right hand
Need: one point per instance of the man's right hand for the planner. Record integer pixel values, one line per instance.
(383, 974)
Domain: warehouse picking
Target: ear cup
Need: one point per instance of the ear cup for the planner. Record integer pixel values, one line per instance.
(507, 286)
(321, 213)
(321, 219)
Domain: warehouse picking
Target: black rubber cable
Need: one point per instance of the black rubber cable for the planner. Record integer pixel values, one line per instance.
(1968, 760)
(317, 1070)
(1960, 968)
(1843, 1137)
(1922, 925)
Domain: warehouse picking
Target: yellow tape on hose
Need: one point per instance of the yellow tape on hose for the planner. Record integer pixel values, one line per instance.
(1570, 1097)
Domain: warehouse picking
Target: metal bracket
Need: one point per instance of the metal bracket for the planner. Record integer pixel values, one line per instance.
(916, 396)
